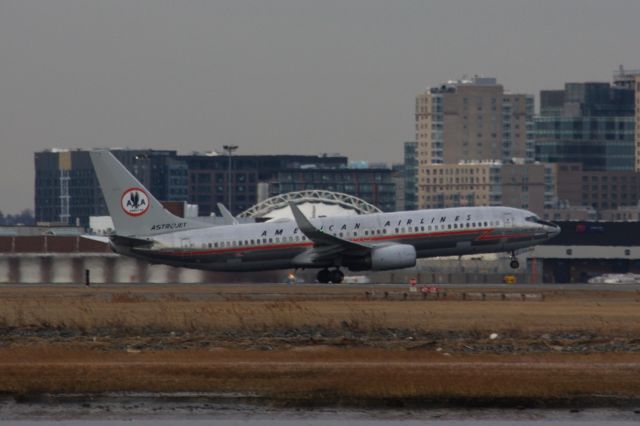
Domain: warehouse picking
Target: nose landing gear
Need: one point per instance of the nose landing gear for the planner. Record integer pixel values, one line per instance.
(326, 276)
(514, 261)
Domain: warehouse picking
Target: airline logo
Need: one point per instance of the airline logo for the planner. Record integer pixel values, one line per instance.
(135, 202)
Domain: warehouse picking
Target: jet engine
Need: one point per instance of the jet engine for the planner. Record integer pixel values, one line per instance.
(395, 256)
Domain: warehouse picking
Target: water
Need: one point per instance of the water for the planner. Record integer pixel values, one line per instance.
(146, 415)
(199, 409)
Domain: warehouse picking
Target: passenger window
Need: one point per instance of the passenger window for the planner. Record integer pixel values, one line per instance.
(449, 226)
(270, 240)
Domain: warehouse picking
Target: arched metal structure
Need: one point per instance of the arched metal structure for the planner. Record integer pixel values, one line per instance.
(310, 196)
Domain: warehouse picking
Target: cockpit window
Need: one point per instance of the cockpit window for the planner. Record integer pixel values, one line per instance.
(536, 219)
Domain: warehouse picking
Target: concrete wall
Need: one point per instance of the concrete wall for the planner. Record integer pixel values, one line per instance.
(69, 268)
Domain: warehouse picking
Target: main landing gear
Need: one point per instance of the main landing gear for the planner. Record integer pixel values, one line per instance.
(334, 276)
(514, 261)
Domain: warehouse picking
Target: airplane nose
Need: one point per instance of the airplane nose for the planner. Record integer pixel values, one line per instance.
(553, 230)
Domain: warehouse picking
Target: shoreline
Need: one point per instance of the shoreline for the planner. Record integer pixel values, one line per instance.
(208, 400)
(193, 406)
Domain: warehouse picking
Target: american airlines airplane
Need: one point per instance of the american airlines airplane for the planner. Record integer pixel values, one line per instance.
(381, 241)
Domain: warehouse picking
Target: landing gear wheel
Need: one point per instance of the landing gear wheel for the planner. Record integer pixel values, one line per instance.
(514, 261)
(336, 276)
(324, 276)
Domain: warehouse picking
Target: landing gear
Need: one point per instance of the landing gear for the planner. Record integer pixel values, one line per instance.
(325, 276)
(337, 276)
(514, 261)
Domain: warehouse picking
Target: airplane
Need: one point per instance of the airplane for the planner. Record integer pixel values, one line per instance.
(144, 229)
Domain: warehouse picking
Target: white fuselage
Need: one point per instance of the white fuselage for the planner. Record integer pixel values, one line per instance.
(281, 245)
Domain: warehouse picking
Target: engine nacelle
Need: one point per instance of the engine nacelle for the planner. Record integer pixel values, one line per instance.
(396, 256)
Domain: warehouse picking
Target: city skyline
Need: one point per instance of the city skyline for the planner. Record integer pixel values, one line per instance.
(287, 77)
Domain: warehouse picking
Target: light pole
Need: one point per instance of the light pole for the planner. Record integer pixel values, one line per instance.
(229, 150)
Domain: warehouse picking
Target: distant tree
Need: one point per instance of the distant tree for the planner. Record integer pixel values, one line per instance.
(25, 217)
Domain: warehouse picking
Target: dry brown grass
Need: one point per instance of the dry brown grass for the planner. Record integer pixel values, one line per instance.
(307, 373)
(130, 312)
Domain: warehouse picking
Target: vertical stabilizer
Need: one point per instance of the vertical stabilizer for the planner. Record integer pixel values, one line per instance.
(132, 208)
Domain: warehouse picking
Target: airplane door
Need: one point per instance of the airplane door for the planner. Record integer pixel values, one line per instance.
(507, 218)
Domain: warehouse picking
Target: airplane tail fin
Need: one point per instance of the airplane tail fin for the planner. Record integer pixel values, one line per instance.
(132, 208)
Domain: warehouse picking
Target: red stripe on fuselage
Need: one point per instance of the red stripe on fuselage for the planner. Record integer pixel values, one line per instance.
(288, 245)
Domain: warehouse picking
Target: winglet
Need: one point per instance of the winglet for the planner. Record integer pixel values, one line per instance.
(320, 237)
(229, 219)
(301, 220)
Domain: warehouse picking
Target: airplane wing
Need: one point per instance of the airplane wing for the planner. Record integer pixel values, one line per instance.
(326, 245)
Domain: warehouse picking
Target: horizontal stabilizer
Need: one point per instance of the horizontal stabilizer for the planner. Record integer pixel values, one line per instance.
(130, 241)
(98, 238)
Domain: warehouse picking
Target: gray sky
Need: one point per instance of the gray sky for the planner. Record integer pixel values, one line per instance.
(280, 76)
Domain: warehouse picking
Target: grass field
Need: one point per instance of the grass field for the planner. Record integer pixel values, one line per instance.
(318, 345)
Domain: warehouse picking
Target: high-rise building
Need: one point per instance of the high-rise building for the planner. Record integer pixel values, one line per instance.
(600, 190)
(529, 186)
(398, 178)
(630, 79)
(588, 123)
(637, 120)
(471, 120)
(410, 171)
